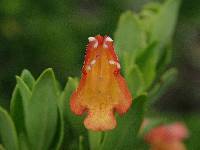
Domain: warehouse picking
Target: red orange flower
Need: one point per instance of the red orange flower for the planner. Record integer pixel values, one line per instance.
(102, 90)
(167, 137)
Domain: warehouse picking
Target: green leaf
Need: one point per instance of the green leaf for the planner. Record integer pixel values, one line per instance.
(147, 64)
(20, 112)
(163, 25)
(8, 133)
(167, 79)
(164, 60)
(76, 122)
(135, 81)
(23, 141)
(58, 138)
(16, 107)
(71, 85)
(19, 101)
(148, 13)
(17, 110)
(95, 139)
(125, 135)
(42, 115)
(24, 91)
(81, 143)
(193, 122)
(74, 127)
(28, 78)
(129, 38)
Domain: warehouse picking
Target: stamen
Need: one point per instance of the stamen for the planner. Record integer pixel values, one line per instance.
(112, 62)
(105, 45)
(91, 39)
(96, 44)
(118, 65)
(89, 68)
(109, 39)
(93, 62)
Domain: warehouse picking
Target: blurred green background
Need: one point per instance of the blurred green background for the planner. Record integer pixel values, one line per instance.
(36, 34)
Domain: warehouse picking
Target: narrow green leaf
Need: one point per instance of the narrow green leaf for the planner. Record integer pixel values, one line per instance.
(65, 95)
(163, 25)
(18, 110)
(8, 133)
(147, 63)
(125, 135)
(19, 113)
(23, 141)
(58, 138)
(42, 115)
(167, 79)
(28, 78)
(76, 122)
(81, 139)
(193, 122)
(135, 81)
(164, 60)
(95, 139)
(24, 91)
(74, 127)
(17, 101)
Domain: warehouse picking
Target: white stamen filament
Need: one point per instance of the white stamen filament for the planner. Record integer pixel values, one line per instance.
(112, 62)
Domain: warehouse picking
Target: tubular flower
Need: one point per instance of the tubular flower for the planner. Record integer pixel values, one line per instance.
(167, 137)
(102, 90)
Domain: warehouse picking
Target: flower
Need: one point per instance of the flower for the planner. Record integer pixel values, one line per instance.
(167, 137)
(102, 90)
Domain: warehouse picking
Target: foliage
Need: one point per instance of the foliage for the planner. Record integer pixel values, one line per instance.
(40, 116)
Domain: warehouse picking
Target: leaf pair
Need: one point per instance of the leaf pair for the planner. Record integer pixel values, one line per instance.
(35, 111)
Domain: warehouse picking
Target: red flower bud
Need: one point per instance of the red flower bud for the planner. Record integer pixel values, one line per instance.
(167, 137)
